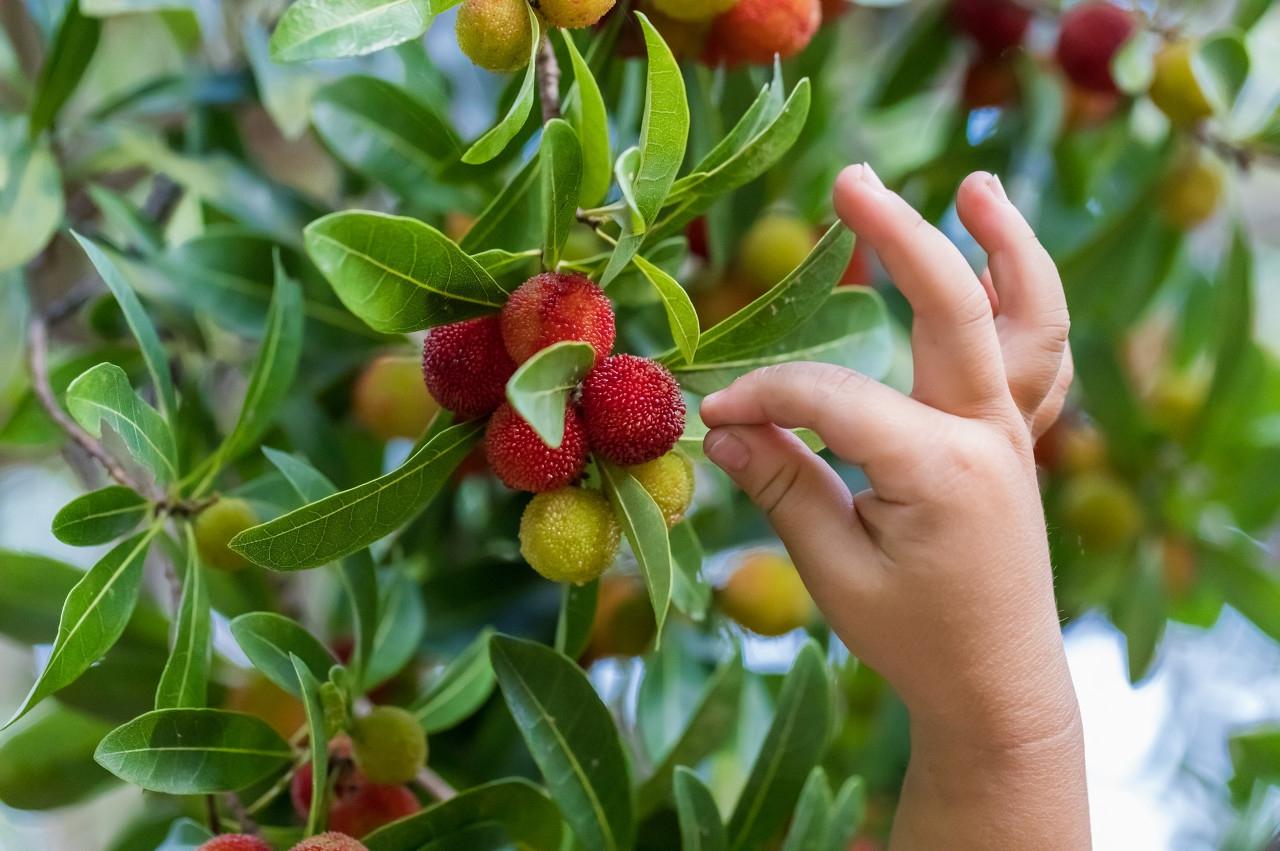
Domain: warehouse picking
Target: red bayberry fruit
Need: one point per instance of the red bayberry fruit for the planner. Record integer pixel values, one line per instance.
(996, 25)
(466, 367)
(331, 841)
(553, 307)
(235, 842)
(754, 30)
(358, 807)
(523, 462)
(632, 409)
(1089, 37)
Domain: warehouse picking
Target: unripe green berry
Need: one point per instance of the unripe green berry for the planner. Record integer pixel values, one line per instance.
(669, 480)
(569, 535)
(1174, 88)
(1102, 511)
(495, 34)
(389, 744)
(572, 13)
(216, 526)
(774, 246)
(693, 10)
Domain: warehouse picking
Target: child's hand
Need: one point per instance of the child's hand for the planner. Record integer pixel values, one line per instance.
(938, 576)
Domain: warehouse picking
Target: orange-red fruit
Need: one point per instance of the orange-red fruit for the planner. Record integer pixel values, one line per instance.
(1089, 37)
(358, 807)
(754, 30)
(523, 462)
(466, 367)
(235, 842)
(553, 307)
(632, 409)
(990, 81)
(996, 25)
(331, 841)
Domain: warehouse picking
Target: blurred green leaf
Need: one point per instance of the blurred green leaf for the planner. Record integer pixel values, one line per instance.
(646, 530)
(809, 822)
(401, 623)
(577, 615)
(539, 390)
(1221, 66)
(1141, 613)
(523, 812)
(103, 394)
(318, 736)
(269, 640)
(561, 169)
(30, 195)
(184, 683)
(129, 225)
(916, 58)
(510, 220)
(34, 590)
(846, 815)
(64, 64)
(49, 762)
(495, 141)
(701, 828)
(99, 517)
(690, 594)
(328, 29)
(461, 689)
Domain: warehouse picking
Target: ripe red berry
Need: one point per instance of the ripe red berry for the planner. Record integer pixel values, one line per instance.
(552, 307)
(1089, 37)
(358, 807)
(996, 25)
(632, 409)
(754, 30)
(235, 842)
(466, 367)
(523, 462)
(331, 841)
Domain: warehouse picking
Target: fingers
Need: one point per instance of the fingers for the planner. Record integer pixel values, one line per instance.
(1049, 411)
(957, 355)
(1033, 310)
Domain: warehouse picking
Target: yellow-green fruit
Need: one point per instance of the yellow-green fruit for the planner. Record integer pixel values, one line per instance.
(623, 623)
(693, 10)
(216, 526)
(1176, 400)
(1191, 192)
(774, 246)
(572, 13)
(669, 480)
(495, 34)
(390, 398)
(1102, 511)
(766, 595)
(389, 744)
(569, 535)
(1174, 87)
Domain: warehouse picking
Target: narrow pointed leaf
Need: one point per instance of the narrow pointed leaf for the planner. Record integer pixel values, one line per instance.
(99, 517)
(584, 108)
(664, 131)
(318, 734)
(690, 594)
(701, 828)
(682, 318)
(184, 683)
(462, 688)
(646, 530)
(846, 816)
(65, 63)
(577, 614)
(328, 29)
(31, 200)
(500, 135)
(522, 814)
(561, 168)
(539, 390)
(401, 625)
(103, 394)
(270, 640)
(510, 220)
(49, 762)
(808, 830)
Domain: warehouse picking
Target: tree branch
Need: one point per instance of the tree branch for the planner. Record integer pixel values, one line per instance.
(548, 71)
(435, 785)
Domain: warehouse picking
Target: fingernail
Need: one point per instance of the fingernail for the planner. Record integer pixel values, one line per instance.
(726, 450)
(870, 177)
(997, 188)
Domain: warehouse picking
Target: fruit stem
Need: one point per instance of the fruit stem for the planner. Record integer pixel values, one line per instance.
(548, 71)
(435, 785)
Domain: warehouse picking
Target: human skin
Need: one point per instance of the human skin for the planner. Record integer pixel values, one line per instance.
(938, 575)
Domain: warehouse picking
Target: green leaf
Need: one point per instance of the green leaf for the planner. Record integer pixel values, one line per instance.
(128, 226)
(577, 614)
(646, 530)
(99, 517)
(64, 65)
(500, 135)
(561, 168)
(103, 394)
(269, 640)
(184, 683)
(318, 735)
(382, 131)
(401, 625)
(571, 736)
(399, 274)
(796, 740)
(1233, 333)
(510, 220)
(35, 588)
(499, 261)
(1250, 589)
(351, 520)
(585, 110)
(285, 91)
(140, 325)
(193, 751)
(847, 812)
(184, 835)
(31, 202)
(689, 593)
(701, 828)
(682, 318)
(461, 689)
(93, 617)
(522, 811)
(1141, 612)
(539, 390)
(916, 58)
(665, 128)
(624, 172)
(1255, 755)
(1221, 66)
(49, 762)
(328, 29)
(809, 822)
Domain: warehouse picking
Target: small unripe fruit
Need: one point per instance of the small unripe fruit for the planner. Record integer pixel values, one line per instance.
(1102, 511)
(1088, 109)
(357, 806)
(990, 82)
(216, 526)
(235, 842)
(522, 461)
(623, 623)
(669, 480)
(753, 31)
(775, 245)
(1179, 566)
(1090, 34)
(466, 366)
(331, 841)
(570, 14)
(390, 745)
(495, 34)
(632, 409)
(996, 25)
(1176, 400)
(390, 399)
(1191, 192)
(1174, 88)
(569, 535)
(693, 10)
(766, 595)
(722, 301)
(553, 307)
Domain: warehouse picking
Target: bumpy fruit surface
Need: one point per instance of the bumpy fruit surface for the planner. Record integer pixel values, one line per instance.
(390, 745)
(357, 806)
(693, 10)
(754, 30)
(235, 842)
(1174, 88)
(390, 399)
(519, 457)
(1191, 192)
(331, 841)
(772, 248)
(466, 366)
(623, 623)
(632, 409)
(996, 25)
(569, 535)
(495, 34)
(766, 595)
(669, 480)
(1089, 37)
(553, 307)
(216, 526)
(572, 13)
(1101, 510)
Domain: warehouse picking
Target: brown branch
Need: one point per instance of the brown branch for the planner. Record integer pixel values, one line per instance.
(435, 785)
(241, 814)
(548, 71)
(211, 810)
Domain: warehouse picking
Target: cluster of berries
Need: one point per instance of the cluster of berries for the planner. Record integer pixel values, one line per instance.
(627, 411)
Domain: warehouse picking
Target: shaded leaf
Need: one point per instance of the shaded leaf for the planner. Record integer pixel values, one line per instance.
(461, 689)
(645, 526)
(809, 822)
(577, 614)
(270, 640)
(509, 221)
(99, 517)
(49, 762)
(401, 624)
(318, 736)
(523, 813)
(701, 828)
(1221, 66)
(67, 58)
(561, 169)
(184, 683)
(846, 816)
(31, 201)
(500, 135)
(539, 390)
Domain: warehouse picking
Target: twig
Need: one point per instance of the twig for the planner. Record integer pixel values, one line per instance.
(211, 809)
(435, 785)
(161, 200)
(548, 71)
(246, 822)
